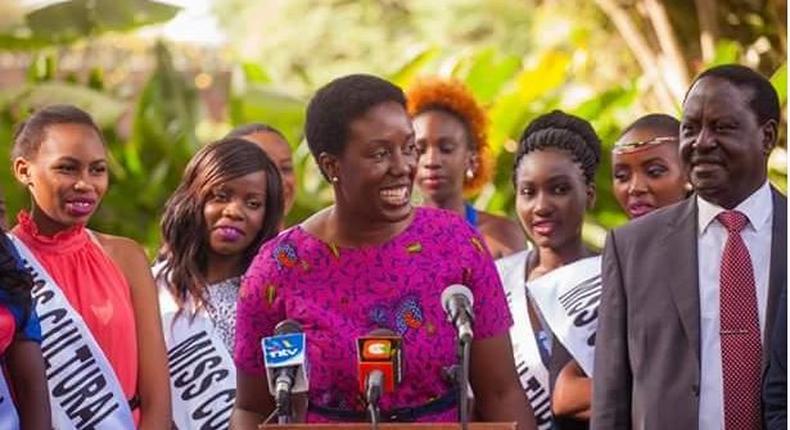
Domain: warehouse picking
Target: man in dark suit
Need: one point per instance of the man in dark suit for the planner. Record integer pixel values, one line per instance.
(690, 291)
(775, 384)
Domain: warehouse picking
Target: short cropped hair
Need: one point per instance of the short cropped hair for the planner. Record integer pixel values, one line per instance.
(660, 122)
(252, 128)
(764, 100)
(335, 105)
(30, 133)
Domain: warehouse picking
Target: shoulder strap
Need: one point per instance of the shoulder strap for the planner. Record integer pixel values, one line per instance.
(202, 372)
(568, 299)
(532, 372)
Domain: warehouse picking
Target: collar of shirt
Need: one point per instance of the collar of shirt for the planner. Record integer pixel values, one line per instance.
(757, 208)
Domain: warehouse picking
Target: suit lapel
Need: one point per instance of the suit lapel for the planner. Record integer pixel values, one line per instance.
(680, 259)
(778, 271)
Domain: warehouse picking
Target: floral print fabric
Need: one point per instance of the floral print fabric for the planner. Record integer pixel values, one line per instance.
(339, 294)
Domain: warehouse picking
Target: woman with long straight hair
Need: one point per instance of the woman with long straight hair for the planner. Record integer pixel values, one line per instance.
(228, 203)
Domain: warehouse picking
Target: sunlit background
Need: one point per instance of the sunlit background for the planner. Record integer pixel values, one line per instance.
(165, 77)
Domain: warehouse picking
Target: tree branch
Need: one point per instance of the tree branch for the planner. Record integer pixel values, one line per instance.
(644, 54)
(670, 49)
(708, 28)
(775, 10)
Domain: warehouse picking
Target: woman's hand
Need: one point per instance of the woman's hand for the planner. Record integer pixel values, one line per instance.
(498, 394)
(572, 393)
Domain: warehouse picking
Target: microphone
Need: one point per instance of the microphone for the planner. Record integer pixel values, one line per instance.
(457, 301)
(380, 363)
(284, 355)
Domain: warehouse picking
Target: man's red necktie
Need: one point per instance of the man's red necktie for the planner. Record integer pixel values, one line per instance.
(741, 347)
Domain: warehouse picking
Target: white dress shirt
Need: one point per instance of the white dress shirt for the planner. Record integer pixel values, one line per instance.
(711, 237)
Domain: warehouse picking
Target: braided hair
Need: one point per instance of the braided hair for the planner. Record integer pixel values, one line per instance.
(566, 132)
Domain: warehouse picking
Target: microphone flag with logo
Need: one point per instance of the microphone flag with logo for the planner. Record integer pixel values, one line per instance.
(285, 357)
(380, 353)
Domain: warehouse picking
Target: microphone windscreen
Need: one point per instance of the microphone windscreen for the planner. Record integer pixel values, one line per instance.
(453, 290)
(287, 326)
(382, 332)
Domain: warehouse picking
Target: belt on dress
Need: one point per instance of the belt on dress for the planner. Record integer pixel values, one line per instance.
(403, 415)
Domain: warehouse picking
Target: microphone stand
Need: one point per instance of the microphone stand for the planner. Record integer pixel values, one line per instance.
(283, 409)
(463, 382)
(373, 394)
(464, 346)
(283, 400)
(375, 413)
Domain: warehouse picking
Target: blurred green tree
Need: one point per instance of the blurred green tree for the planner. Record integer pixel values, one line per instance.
(609, 61)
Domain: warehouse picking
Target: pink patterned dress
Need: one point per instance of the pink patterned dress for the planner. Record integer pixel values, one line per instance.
(339, 294)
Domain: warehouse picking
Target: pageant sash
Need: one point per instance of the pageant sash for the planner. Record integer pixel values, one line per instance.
(568, 298)
(202, 372)
(532, 373)
(84, 392)
(9, 420)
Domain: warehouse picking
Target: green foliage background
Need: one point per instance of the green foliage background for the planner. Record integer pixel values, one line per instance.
(520, 58)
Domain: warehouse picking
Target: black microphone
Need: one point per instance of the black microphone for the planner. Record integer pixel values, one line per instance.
(284, 355)
(457, 301)
(285, 376)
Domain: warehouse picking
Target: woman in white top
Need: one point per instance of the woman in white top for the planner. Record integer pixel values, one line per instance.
(228, 203)
(554, 179)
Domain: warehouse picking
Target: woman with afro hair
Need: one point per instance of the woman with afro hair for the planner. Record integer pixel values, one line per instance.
(455, 159)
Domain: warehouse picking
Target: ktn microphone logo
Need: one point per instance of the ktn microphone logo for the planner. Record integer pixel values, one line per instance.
(284, 349)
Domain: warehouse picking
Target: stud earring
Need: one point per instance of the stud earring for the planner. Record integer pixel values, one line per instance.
(470, 174)
(335, 179)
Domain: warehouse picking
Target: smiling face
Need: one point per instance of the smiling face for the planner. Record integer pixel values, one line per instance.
(445, 155)
(722, 143)
(280, 152)
(551, 198)
(648, 177)
(234, 213)
(67, 177)
(376, 170)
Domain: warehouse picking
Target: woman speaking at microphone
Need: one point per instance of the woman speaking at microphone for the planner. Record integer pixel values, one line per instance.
(372, 261)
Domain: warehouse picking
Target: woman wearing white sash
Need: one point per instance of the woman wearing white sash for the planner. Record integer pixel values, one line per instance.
(24, 401)
(228, 203)
(103, 335)
(554, 180)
